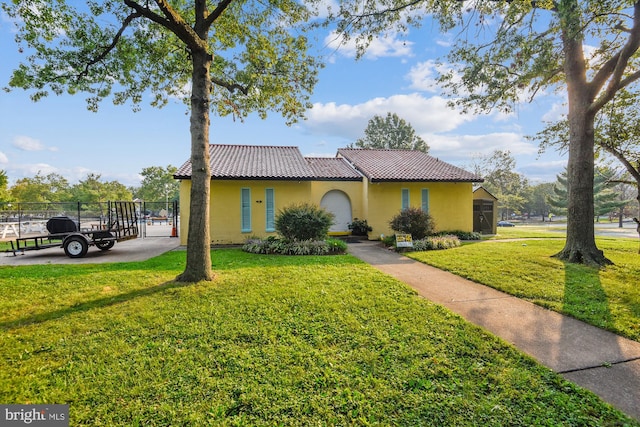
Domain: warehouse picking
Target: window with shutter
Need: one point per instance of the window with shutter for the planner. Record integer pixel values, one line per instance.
(270, 207)
(425, 200)
(246, 210)
(405, 198)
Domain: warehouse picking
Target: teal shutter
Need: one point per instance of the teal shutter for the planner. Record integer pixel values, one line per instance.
(246, 210)
(425, 200)
(405, 198)
(270, 206)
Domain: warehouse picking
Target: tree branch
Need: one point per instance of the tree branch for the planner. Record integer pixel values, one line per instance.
(172, 21)
(109, 48)
(618, 155)
(217, 12)
(613, 69)
(231, 87)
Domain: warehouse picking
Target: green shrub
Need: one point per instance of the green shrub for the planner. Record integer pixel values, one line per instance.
(389, 240)
(413, 221)
(359, 227)
(436, 242)
(462, 235)
(303, 221)
(336, 246)
(274, 245)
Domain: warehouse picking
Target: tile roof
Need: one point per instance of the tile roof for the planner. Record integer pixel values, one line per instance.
(253, 162)
(333, 168)
(404, 165)
(287, 163)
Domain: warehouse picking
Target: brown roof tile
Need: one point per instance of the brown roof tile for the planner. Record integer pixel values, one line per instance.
(404, 165)
(333, 168)
(253, 162)
(283, 163)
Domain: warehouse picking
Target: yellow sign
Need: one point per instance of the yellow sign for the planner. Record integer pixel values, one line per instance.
(404, 241)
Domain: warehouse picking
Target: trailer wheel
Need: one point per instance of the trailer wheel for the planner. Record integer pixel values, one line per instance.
(76, 247)
(105, 245)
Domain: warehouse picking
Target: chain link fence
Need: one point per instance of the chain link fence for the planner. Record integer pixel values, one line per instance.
(23, 219)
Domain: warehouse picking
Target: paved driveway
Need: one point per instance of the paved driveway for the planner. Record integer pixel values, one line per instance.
(130, 250)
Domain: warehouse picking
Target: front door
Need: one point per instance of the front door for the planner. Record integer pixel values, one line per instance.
(338, 203)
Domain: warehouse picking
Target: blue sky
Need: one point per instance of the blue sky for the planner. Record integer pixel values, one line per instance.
(58, 134)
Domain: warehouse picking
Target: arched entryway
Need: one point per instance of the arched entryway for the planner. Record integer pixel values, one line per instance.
(337, 202)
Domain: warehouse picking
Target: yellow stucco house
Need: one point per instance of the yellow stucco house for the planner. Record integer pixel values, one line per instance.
(250, 184)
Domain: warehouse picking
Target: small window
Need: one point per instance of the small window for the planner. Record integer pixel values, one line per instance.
(270, 210)
(425, 200)
(405, 198)
(246, 210)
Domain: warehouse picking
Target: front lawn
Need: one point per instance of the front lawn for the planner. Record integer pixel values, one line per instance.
(274, 340)
(608, 298)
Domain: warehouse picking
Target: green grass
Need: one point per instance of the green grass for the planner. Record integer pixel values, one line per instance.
(608, 298)
(274, 340)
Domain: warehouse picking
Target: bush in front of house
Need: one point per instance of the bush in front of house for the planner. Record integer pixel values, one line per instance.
(274, 245)
(359, 227)
(436, 242)
(462, 235)
(413, 221)
(303, 221)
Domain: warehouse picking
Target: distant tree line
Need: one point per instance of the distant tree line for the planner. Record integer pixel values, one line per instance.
(612, 190)
(157, 185)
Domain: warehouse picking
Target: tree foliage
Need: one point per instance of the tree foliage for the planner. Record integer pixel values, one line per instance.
(617, 133)
(509, 51)
(94, 189)
(158, 184)
(501, 180)
(5, 196)
(231, 57)
(52, 187)
(391, 132)
(537, 200)
(606, 199)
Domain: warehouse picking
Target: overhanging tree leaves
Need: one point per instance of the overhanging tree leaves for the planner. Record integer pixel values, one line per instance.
(230, 57)
(510, 50)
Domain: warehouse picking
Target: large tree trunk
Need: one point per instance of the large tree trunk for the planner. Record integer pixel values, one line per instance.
(580, 246)
(198, 265)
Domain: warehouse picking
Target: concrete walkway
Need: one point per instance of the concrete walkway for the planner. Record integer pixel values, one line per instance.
(592, 358)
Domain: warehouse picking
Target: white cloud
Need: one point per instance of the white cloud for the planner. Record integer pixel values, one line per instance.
(32, 169)
(26, 143)
(423, 76)
(386, 45)
(557, 112)
(542, 171)
(3, 158)
(464, 147)
(426, 115)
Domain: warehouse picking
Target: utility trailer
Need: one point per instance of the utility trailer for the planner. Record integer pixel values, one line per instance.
(63, 232)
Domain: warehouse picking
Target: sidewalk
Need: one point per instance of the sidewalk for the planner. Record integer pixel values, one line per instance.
(590, 357)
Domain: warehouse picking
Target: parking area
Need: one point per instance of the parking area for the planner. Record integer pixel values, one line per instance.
(139, 249)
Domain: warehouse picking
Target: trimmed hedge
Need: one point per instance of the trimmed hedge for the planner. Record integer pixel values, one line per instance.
(274, 245)
(436, 242)
(462, 235)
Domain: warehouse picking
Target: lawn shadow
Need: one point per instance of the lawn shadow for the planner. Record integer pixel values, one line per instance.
(89, 305)
(584, 297)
